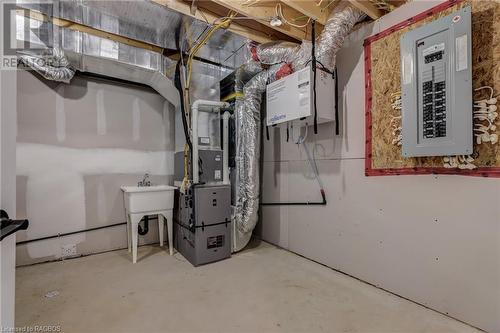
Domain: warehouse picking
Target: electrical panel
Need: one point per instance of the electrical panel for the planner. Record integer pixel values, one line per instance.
(436, 87)
(291, 98)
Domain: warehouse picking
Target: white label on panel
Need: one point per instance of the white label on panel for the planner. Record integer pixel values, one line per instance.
(407, 68)
(433, 48)
(217, 175)
(461, 53)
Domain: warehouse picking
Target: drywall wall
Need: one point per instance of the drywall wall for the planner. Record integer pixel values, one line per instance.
(76, 145)
(432, 239)
(7, 192)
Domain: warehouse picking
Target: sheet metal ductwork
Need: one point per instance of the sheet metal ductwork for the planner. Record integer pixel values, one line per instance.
(140, 20)
(248, 108)
(128, 72)
(79, 51)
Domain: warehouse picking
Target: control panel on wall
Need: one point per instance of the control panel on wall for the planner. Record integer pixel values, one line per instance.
(436, 87)
(291, 98)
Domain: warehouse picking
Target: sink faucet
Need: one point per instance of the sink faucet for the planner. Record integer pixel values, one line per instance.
(145, 180)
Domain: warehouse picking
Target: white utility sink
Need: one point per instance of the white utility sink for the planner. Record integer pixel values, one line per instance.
(140, 199)
(143, 201)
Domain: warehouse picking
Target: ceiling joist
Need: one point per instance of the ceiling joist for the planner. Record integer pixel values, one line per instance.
(295, 15)
(262, 11)
(368, 7)
(258, 34)
(316, 10)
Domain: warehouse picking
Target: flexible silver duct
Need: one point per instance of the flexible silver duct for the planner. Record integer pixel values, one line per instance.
(337, 27)
(276, 52)
(248, 123)
(54, 66)
(331, 39)
(248, 113)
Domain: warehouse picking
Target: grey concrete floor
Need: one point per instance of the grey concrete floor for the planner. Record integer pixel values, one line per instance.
(262, 289)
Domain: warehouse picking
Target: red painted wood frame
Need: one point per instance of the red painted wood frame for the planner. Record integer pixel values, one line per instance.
(369, 170)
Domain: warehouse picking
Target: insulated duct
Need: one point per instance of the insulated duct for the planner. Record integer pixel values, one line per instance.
(331, 39)
(129, 72)
(248, 108)
(88, 53)
(242, 120)
(275, 52)
(337, 27)
(54, 66)
(248, 126)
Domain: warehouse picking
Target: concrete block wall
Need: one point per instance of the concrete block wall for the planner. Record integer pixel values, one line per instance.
(76, 145)
(432, 239)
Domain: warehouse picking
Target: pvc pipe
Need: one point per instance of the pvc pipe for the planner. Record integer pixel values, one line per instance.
(194, 128)
(194, 142)
(225, 148)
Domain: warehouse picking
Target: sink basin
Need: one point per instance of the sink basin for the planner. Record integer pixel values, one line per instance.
(140, 199)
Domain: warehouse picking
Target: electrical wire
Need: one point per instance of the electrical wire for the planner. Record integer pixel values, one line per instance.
(314, 167)
(224, 24)
(279, 13)
(331, 2)
(300, 139)
(267, 19)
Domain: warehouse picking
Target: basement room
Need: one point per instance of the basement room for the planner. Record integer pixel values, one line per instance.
(250, 166)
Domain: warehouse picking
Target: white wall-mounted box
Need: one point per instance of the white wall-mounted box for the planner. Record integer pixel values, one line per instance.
(291, 98)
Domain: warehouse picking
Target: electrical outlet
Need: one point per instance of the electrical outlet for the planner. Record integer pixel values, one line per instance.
(68, 250)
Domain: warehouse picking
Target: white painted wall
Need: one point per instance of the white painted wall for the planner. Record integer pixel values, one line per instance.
(7, 194)
(432, 239)
(77, 144)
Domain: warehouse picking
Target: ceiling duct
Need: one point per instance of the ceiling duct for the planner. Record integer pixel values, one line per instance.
(140, 21)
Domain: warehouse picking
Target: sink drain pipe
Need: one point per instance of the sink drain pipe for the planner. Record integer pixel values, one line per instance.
(143, 231)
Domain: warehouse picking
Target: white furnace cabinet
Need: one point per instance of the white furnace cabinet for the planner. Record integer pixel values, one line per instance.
(291, 98)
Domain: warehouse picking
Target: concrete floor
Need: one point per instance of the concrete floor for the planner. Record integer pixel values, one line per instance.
(262, 289)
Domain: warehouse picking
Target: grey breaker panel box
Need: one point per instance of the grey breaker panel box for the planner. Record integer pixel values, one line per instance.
(436, 87)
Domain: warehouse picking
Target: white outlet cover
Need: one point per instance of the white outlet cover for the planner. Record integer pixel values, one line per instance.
(68, 250)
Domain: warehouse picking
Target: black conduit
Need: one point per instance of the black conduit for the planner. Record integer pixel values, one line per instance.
(306, 203)
(313, 57)
(75, 232)
(178, 86)
(337, 117)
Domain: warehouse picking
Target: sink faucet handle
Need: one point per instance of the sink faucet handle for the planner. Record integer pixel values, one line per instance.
(145, 180)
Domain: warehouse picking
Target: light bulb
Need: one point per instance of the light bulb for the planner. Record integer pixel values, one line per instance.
(276, 21)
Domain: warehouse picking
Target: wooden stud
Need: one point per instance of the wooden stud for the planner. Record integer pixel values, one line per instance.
(368, 7)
